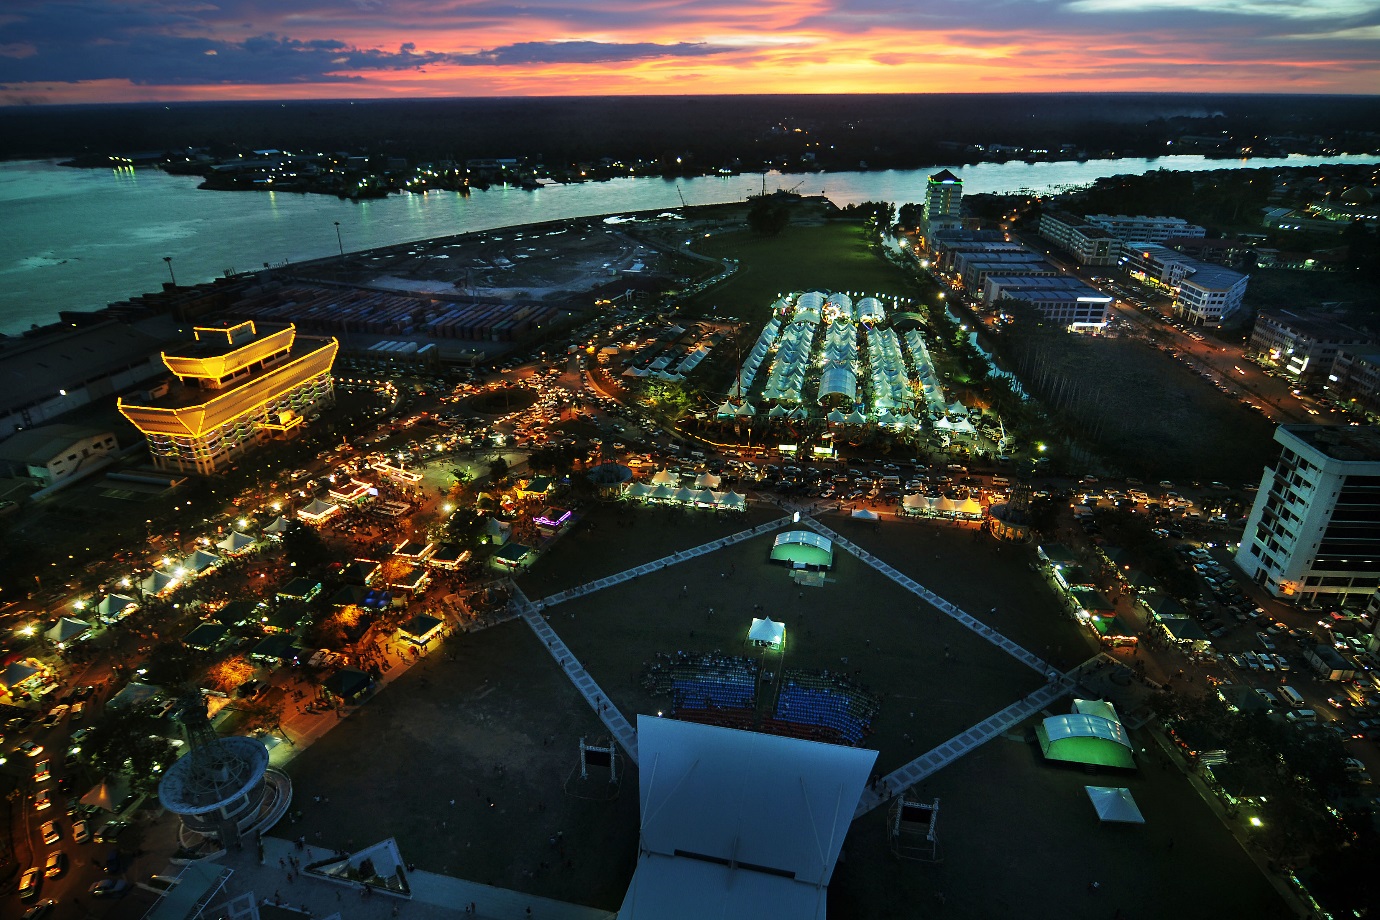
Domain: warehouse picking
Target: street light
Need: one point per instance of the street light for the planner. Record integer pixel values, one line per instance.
(168, 259)
(338, 241)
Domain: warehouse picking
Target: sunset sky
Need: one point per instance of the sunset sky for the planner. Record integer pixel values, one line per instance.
(144, 50)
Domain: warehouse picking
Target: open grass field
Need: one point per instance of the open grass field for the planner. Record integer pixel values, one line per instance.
(830, 256)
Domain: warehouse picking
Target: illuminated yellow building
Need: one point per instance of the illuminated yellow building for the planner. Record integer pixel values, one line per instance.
(236, 387)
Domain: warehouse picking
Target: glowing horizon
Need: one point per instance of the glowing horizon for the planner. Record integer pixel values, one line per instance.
(84, 51)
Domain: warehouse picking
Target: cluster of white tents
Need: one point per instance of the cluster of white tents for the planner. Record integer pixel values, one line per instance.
(840, 360)
(791, 362)
(941, 506)
(663, 489)
(924, 370)
(891, 386)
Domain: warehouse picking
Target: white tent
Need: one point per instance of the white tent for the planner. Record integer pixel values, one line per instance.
(971, 507)
(684, 495)
(915, 503)
(707, 481)
(114, 605)
(497, 531)
(957, 408)
(963, 426)
(864, 514)
(768, 631)
(1114, 803)
(17, 673)
(837, 418)
(944, 425)
(856, 418)
(66, 629)
(663, 477)
(158, 582)
(704, 497)
(278, 527)
(200, 561)
(236, 542)
(663, 492)
(776, 411)
(317, 510)
(637, 490)
(733, 501)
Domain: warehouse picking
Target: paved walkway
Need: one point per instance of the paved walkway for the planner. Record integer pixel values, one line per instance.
(619, 726)
(910, 584)
(658, 564)
(963, 743)
(434, 896)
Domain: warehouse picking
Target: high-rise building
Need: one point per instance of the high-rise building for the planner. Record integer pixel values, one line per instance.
(236, 387)
(943, 202)
(1312, 534)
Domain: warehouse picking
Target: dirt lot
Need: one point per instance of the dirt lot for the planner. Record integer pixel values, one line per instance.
(1019, 837)
(1148, 415)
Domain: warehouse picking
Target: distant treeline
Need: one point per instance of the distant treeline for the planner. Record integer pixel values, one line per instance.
(708, 132)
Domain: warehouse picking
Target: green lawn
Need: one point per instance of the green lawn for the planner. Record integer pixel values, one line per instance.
(833, 256)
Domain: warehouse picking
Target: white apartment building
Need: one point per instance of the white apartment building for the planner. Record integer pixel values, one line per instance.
(1142, 229)
(1204, 294)
(1313, 534)
(1089, 245)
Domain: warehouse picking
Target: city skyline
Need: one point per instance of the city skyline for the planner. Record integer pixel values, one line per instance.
(85, 52)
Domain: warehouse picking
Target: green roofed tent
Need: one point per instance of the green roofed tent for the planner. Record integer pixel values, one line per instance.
(205, 637)
(513, 555)
(275, 648)
(1058, 554)
(348, 683)
(803, 549)
(1090, 599)
(1085, 739)
(1183, 628)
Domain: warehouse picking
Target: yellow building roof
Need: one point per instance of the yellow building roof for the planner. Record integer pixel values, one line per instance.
(193, 412)
(219, 352)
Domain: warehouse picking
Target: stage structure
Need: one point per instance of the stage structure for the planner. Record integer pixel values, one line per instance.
(598, 762)
(912, 829)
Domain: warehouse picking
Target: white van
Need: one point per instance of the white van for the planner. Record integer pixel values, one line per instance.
(1000, 482)
(1292, 695)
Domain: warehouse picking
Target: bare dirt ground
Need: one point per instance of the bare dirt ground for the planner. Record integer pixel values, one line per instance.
(1019, 837)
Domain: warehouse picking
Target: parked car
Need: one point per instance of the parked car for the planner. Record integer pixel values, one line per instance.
(81, 831)
(55, 865)
(110, 831)
(49, 832)
(30, 883)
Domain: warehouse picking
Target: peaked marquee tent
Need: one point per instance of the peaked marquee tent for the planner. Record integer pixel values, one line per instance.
(767, 631)
(1114, 803)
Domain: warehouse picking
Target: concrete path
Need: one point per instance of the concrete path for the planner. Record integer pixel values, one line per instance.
(619, 726)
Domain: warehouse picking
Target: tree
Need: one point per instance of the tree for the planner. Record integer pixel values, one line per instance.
(768, 217)
(304, 546)
(129, 741)
(264, 713)
(171, 664)
(498, 468)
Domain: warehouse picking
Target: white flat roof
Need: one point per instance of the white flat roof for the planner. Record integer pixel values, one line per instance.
(775, 806)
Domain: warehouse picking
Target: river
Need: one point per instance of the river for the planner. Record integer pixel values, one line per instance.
(77, 239)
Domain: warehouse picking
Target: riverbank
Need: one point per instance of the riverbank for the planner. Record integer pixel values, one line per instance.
(78, 239)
